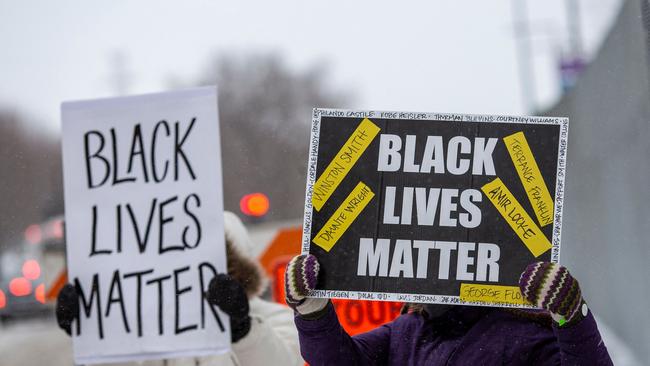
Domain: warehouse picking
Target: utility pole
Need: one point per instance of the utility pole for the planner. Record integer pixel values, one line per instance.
(573, 63)
(524, 57)
(575, 28)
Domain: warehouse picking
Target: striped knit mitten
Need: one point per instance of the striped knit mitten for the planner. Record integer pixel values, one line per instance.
(299, 279)
(552, 288)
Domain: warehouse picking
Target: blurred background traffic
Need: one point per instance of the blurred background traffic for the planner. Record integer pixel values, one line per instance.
(274, 61)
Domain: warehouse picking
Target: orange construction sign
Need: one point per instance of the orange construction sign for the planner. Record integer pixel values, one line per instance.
(286, 243)
(355, 316)
(57, 285)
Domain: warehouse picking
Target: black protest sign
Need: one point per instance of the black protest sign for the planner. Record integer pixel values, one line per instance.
(433, 208)
(144, 225)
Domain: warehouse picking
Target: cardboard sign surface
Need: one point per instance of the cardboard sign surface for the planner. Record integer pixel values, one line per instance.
(144, 225)
(432, 208)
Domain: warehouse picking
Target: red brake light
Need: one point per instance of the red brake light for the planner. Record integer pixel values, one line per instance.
(57, 229)
(31, 270)
(254, 204)
(20, 286)
(33, 234)
(39, 293)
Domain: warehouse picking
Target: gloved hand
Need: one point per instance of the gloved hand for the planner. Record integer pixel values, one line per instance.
(67, 307)
(551, 287)
(223, 291)
(299, 279)
(231, 298)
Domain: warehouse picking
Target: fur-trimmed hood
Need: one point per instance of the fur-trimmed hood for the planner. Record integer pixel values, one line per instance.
(242, 266)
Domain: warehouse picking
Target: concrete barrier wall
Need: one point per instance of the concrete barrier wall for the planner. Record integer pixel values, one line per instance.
(606, 227)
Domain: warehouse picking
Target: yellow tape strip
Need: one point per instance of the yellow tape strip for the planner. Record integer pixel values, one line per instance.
(530, 176)
(492, 294)
(343, 162)
(516, 217)
(351, 207)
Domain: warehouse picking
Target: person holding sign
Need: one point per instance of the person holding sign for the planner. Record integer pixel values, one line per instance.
(262, 332)
(563, 331)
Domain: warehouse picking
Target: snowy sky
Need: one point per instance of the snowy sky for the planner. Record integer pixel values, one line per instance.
(444, 56)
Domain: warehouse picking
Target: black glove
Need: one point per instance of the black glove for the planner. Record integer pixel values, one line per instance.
(231, 298)
(67, 307)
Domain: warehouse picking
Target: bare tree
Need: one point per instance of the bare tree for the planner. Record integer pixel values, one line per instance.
(265, 113)
(30, 178)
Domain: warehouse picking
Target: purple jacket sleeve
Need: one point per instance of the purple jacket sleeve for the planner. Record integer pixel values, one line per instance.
(578, 344)
(324, 342)
(581, 344)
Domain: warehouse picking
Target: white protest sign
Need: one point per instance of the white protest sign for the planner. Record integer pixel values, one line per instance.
(144, 225)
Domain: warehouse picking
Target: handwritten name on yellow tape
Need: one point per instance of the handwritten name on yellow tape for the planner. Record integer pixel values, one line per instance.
(531, 177)
(341, 220)
(343, 162)
(492, 294)
(516, 217)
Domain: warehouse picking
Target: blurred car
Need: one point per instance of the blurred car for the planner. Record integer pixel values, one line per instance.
(29, 269)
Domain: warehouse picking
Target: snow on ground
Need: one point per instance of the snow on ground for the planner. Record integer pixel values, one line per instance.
(34, 342)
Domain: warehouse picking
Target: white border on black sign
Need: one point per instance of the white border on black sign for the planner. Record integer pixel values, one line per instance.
(317, 113)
